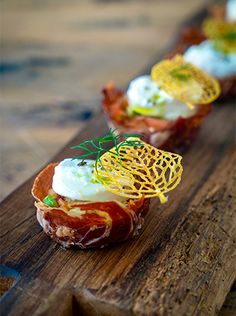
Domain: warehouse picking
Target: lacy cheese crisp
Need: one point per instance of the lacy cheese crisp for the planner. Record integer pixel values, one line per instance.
(185, 82)
(139, 171)
(223, 34)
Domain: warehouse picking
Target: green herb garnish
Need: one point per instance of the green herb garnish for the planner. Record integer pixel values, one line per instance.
(226, 43)
(95, 146)
(229, 36)
(50, 201)
(181, 73)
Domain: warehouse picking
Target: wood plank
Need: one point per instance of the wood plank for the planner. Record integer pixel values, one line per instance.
(183, 262)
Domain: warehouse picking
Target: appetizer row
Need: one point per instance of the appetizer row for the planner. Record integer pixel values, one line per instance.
(94, 203)
(213, 47)
(169, 105)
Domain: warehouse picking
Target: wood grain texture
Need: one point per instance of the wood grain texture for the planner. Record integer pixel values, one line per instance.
(183, 262)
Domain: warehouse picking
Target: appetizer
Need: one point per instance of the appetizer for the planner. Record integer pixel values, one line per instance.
(167, 107)
(213, 48)
(217, 54)
(93, 203)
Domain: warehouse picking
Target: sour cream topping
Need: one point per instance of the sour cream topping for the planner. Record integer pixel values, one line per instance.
(231, 10)
(144, 92)
(147, 98)
(209, 59)
(77, 182)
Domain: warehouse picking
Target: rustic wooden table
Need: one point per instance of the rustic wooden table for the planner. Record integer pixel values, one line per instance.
(183, 262)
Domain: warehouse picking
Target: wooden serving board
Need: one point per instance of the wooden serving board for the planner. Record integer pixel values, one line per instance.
(183, 262)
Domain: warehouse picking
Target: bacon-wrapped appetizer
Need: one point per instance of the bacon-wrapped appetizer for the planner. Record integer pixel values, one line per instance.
(94, 203)
(167, 107)
(213, 48)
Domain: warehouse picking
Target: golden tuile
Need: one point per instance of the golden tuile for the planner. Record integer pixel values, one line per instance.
(223, 33)
(185, 82)
(139, 171)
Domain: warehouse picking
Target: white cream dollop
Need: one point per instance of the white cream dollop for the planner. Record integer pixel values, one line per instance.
(77, 182)
(231, 10)
(209, 59)
(146, 98)
(143, 91)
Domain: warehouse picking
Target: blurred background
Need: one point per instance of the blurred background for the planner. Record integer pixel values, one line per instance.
(55, 58)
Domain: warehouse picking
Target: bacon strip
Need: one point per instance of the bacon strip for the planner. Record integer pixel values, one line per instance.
(86, 224)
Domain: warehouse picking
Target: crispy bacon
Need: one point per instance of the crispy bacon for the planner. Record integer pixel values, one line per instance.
(168, 135)
(86, 224)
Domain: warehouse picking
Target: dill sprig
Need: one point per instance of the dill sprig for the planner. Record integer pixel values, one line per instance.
(95, 146)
